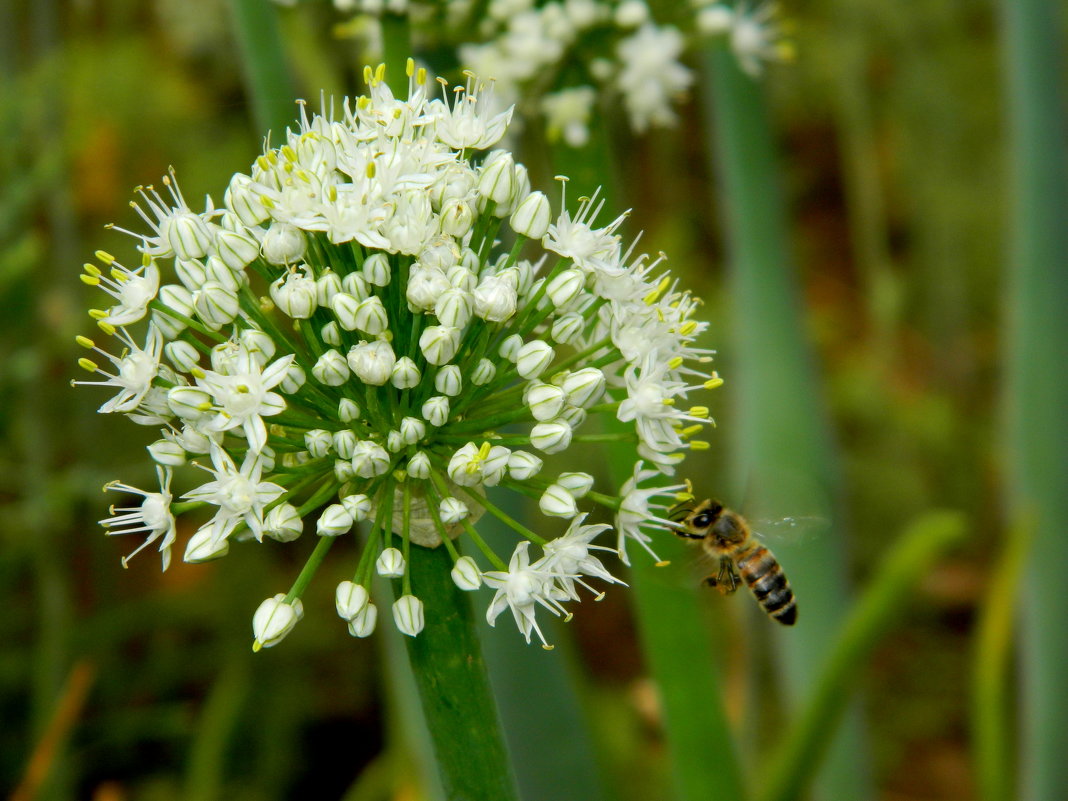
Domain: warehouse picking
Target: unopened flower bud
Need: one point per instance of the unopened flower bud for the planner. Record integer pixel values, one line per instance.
(419, 465)
(466, 575)
(294, 380)
(551, 437)
(294, 293)
(350, 599)
(283, 523)
(412, 429)
(167, 452)
(556, 501)
(376, 269)
(436, 410)
(182, 355)
(348, 410)
(390, 563)
(454, 307)
(274, 619)
(344, 442)
(405, 374)
(203, 546)
(372, 362)
(363, 625)
(408, 615)
(371, 316)
(453, 510)
(567, 328)
(545, 400)
(188, 235)
(358, 505)
(457, 218)
(395, 442)
(531, 217)
(584, 387)
(189, 403)
(497, 179)
(343, 470)
(327, 285)
(425, 286)
(331, 369)
(578, 484)
(523, 465)
(439, 343)
(509, 349)
(495, 299)
(565, 287)
(533, 358)
(243, 199)
(484, 372)
(236, 250)
(334, 521)
(448, 380)
(369, 459)
(283, 244)
(345, 306)
(356, 285)
(216, 305)
(331, 333)
(318, 442)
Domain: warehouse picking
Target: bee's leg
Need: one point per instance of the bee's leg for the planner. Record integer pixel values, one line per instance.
(728, 578)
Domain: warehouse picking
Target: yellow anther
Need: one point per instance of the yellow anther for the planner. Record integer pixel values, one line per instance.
(92, 269)
(420, 77)
(699, 411)
(367, 75)
(105, 257)
(205, 406)
(119, 275)
(145, 260)
(85, 342)
(88, 365)
(684, 497)
(257, 646)
(668, 401)
(380, 73)
(106, 327)
(663, 563)
(91, 280)
(332, 193)
(484, 450)
(370, 169)
(262, 163)
(689, 431)
(675, 363)
(196, 372)
(409, 67)
(687, 328)
(272, 157)
(651, 298)
(699, 445)
(288, 152)
(98, 314)
(363, 101)
(548, 647)
(714, 381)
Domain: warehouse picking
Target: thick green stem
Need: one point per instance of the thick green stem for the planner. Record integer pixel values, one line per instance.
(1036, 384)
(263, 59)
(459, 707)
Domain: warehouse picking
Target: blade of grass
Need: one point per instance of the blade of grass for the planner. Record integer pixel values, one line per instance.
(882, 601)
(206, 772)
(992, 724)
(264, 63)
(781, 442)
(1036, 384)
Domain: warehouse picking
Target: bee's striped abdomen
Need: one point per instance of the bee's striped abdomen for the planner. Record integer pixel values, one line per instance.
(765, 578)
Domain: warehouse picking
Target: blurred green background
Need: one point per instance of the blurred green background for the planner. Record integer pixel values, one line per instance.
(891, 135)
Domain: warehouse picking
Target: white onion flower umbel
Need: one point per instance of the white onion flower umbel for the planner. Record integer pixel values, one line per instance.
(384, 327)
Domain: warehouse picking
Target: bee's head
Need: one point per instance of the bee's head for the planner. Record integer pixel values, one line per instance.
(699, 522)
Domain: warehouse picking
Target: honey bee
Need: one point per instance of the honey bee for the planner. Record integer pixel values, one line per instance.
(726, 536)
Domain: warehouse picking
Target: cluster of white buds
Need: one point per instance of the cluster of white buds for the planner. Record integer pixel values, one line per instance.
(752, 32)
(346, 341)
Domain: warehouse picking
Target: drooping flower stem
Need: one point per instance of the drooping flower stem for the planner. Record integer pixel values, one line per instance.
(450, 673)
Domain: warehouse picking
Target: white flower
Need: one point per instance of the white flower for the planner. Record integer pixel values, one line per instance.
(470, 122)
(651, 77)
(242, 395)
(283, 244)
(568, 558)
(135, 370)
(295, 293)
(521, 588)
(567, 114)
(638, 511)
(240, 494)
(152, 516)
(133, 289)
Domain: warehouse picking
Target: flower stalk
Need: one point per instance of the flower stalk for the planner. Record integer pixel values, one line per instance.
(450, 674)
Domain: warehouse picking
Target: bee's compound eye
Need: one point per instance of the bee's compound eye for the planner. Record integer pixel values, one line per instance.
(703, 520)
